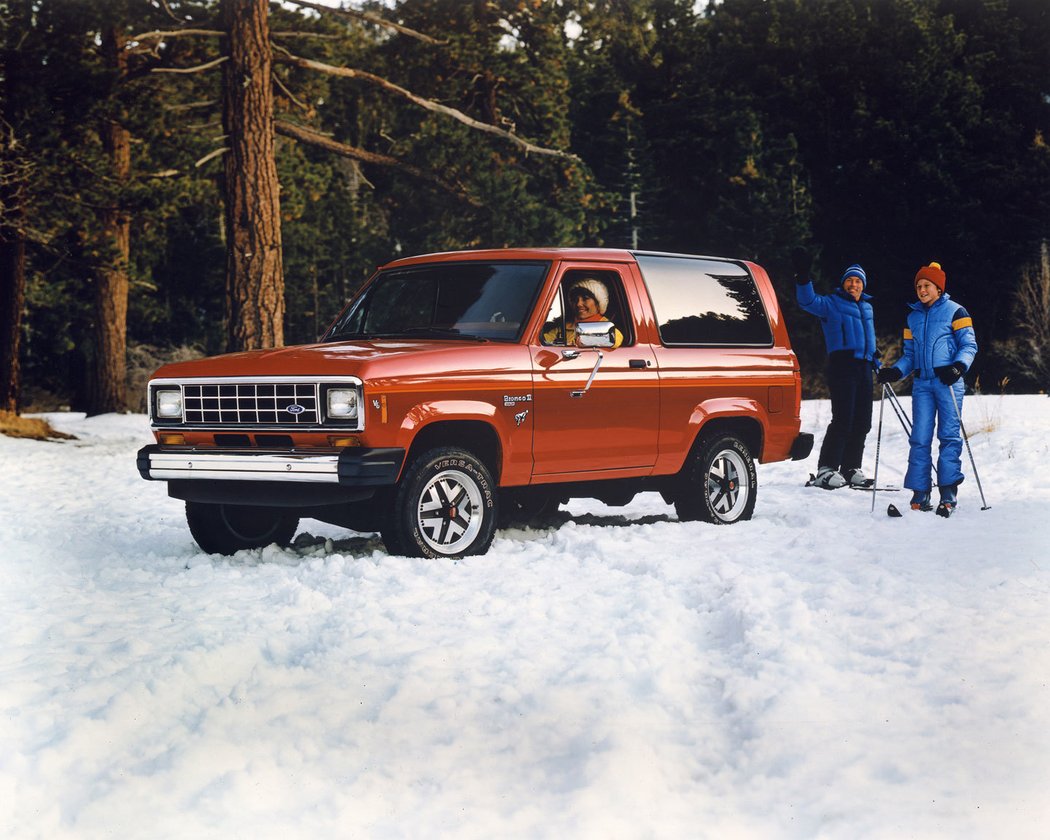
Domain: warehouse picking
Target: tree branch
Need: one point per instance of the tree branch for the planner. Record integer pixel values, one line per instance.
(159, 34)
(284, 89)
(191, 106)
(305, 135)
(430, 105)
(200, 68)
(171, 14)
(368, 17)
(320, 36)
(212, 154)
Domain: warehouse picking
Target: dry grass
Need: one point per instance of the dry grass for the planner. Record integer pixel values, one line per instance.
(990, 411)
(14, 425)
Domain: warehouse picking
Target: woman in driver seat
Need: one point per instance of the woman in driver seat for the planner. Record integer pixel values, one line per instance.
(588, 299)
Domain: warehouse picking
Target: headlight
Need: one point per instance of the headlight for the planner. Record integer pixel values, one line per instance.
(169, 403)
(342, 403)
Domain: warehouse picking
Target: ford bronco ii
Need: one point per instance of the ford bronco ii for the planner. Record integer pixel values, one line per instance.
(461, 390)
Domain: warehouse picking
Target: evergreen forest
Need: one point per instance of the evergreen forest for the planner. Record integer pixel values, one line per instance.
(187, 177)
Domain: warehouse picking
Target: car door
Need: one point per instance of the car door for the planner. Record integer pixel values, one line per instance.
(611, 428)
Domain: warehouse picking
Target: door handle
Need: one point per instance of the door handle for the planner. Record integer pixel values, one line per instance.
(639, 363)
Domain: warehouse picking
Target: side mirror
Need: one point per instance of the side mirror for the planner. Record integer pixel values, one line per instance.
(595, 334)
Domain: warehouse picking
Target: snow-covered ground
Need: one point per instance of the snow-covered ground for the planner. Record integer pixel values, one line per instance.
(815, 672)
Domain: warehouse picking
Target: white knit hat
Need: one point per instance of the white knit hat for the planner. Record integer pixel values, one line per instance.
(597, 288)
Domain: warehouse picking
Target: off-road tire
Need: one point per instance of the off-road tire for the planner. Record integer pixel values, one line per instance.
(445, 506)
(226, 529)
(719, 483)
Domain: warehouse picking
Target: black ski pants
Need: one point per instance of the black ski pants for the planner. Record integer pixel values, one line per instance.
(849, 381)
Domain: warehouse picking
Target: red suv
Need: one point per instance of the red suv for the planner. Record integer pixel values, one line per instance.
(460, 390)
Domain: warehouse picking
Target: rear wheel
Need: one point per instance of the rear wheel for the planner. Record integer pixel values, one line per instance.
(225, 529)
(445, 506)
(721, 485)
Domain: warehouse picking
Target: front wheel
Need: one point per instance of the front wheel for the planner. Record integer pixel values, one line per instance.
(226, 529)
(445, 506)
(720, 483)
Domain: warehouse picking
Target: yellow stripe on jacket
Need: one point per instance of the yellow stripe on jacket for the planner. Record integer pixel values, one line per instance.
(962, 323)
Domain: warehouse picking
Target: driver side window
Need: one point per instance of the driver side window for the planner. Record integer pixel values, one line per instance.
(589, 295)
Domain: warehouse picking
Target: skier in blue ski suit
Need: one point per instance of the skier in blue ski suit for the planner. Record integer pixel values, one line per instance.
(849, 333)
(939, 347)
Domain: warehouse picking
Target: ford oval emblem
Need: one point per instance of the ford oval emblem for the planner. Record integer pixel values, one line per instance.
(295, 408)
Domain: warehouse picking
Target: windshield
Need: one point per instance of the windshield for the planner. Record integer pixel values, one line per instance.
(469, 300)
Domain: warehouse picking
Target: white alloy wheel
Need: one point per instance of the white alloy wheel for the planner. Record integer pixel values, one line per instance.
(728, 485)
(450, 512)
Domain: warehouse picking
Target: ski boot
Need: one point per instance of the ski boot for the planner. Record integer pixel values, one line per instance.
(856, 478)
(949, 500)
(920, 500)
(826, 479)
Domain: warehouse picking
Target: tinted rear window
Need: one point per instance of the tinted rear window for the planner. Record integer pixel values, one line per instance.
(705, 302)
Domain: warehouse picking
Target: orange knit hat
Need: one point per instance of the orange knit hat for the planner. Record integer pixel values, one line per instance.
(934, 273)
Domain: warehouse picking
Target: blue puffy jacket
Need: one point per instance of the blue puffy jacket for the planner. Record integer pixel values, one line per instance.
(938, 335)
(848, 324)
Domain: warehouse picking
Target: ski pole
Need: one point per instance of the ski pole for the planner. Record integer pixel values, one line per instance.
(878, 448)
(898, 409)
(966, 440)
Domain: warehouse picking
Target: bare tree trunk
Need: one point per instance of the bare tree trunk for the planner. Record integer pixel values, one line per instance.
(109, 372)
(12, 300)
(12, 235)
(254, 272)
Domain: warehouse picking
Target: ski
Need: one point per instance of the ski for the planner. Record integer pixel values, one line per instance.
(942, 510)
(872, 489)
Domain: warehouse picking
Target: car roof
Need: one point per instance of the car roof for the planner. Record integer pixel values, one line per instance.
(619, 255)
(598, 254)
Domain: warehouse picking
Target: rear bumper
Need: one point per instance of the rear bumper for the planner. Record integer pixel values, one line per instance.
(346, 468)
(802, 446)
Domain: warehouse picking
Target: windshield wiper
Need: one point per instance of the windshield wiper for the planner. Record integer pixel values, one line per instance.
(435, 332)
(409, 332)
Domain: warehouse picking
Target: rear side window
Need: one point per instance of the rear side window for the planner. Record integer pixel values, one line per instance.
(705, 302)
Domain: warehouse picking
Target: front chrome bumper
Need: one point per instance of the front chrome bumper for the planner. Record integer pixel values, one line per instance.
(348, 467)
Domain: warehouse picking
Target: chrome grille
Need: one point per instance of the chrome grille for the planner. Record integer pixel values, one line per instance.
(252, 403)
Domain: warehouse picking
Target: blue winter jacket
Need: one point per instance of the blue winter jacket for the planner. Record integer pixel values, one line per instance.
(938, 335)
(848, 324)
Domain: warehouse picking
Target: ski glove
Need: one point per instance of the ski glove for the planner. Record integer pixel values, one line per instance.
(800, 264)
(949, 374)
(887, 374)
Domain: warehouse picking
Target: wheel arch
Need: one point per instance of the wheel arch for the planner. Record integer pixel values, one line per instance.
(475, 436)
(748, 429)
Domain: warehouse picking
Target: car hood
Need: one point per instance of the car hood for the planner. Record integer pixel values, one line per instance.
(364, 359)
